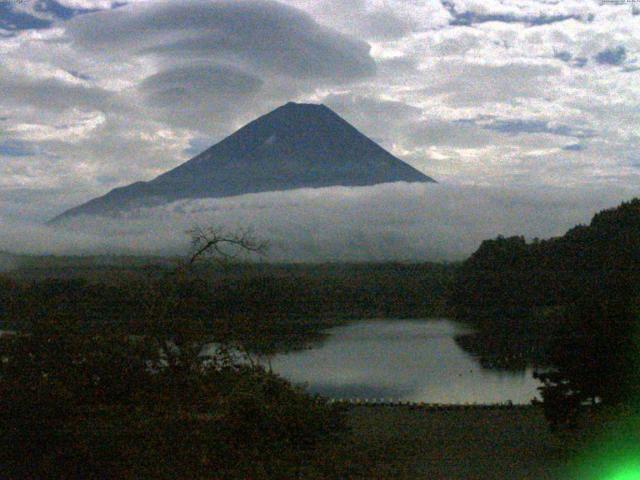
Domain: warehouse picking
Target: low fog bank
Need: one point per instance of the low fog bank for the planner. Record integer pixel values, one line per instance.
(397, 221)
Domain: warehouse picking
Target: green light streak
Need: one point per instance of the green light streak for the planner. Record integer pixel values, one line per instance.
(614, 454)
(628, 472)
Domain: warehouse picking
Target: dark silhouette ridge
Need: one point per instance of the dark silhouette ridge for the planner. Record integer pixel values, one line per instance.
(294, 146)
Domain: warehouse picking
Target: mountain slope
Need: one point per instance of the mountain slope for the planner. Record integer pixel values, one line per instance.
(294, 146)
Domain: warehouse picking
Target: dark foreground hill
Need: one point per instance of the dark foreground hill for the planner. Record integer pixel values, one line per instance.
(572, 302)
(509, 273)
(294, 146)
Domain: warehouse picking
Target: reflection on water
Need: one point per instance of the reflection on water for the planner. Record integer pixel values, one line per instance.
(408, 360)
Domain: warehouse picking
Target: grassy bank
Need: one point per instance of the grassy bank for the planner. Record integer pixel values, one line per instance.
(469, 444)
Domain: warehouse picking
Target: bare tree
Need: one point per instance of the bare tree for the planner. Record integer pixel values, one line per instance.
(181, 337)
(220, 245)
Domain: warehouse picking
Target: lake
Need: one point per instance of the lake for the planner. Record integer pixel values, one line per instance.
(402, 360)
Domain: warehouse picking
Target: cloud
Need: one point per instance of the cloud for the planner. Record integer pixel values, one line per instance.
(397, 221)
(94, 4)
(16, 15)
(574, 147)
(185, 86)
(612, 56)
(456, 133)
(13, 148)
(197, 146)
(104, 99)
(47, 93)
(517, 126)
(580, 62)
(367, 111)
(12, 19)
(211, 66)
(385, 24)
(563, 55)
(464, 84)
(197, 95)
(379, 21)
(475, 15)
(264, 35)
(568, 58)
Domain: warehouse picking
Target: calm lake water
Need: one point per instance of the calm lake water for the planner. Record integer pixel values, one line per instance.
(407, 360)
(401, 360)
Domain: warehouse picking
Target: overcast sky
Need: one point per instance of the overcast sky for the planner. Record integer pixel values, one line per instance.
(504, 95)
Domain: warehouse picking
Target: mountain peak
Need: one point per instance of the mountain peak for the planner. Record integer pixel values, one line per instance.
(304, 105)
(297, 145)
(296, 104)
(309, 109)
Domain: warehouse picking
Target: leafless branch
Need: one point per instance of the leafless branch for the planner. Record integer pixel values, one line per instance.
(221, 245)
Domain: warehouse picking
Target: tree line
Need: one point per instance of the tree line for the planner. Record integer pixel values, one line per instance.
(579, 293)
